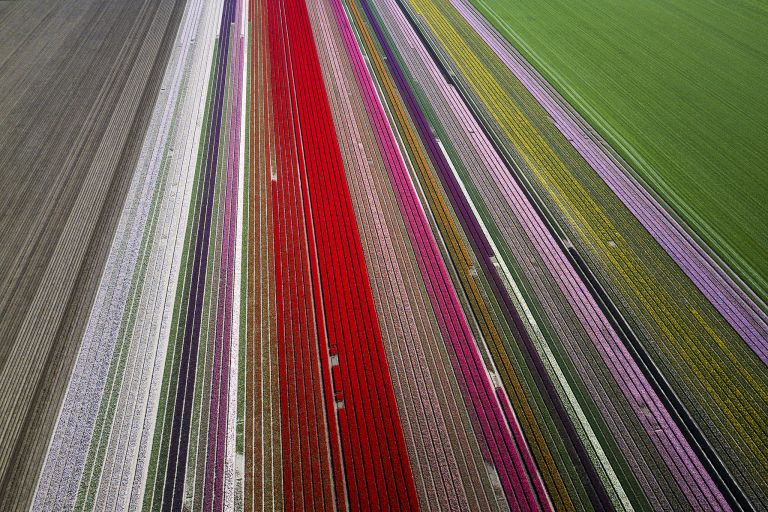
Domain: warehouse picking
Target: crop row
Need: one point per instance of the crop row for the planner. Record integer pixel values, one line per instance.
(706, 362)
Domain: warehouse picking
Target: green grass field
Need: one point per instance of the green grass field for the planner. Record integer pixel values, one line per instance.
(679, 89)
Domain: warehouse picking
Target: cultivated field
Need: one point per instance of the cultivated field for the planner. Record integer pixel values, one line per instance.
(678, 89)
(345, 255)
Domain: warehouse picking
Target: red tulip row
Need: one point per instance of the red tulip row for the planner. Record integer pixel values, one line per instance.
(339, 418)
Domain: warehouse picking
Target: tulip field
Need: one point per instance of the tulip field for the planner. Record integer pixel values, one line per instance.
(360, 255)
(687, 86)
